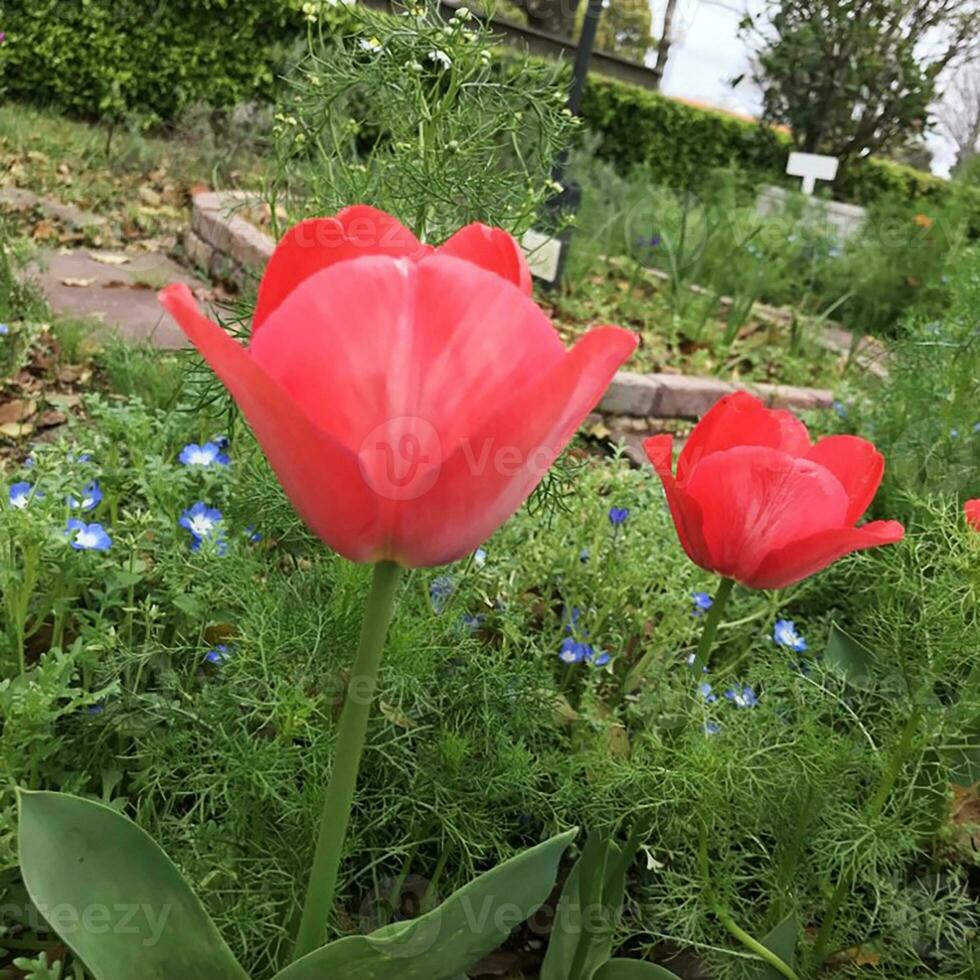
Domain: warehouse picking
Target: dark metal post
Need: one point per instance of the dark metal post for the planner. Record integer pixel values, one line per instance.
(583, 54)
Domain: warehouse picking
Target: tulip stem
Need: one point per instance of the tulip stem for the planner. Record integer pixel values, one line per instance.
(347, 753)
(711, 625)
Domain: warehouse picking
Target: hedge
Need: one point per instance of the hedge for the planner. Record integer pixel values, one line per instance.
(149, 58)
(152, 58)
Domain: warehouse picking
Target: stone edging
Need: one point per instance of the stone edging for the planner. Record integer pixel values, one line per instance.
(231, 248)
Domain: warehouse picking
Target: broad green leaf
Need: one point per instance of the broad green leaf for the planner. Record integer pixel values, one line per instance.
(633, 970)
(590, 904)
(113, 896)
(782, 941)
(848, 657)
(441, 944)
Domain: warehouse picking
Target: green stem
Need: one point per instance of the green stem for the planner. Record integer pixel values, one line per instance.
(347, 754)
(888, 779)
(753, 944)
(711, 625)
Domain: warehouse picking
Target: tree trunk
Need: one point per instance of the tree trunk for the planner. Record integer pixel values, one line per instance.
(666, 40)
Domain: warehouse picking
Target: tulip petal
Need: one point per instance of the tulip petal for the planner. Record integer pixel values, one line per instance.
(971, 511)
(493, 249)
(685, 511)
(321, 242)
(499, 463)
(740, 419)
(858, 466)
(755, 500)
(321, 478)
(442, 342)
(800, 559)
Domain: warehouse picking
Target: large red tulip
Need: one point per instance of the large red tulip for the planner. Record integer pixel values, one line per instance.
(755, 501)
(971, 509)
(409, 398)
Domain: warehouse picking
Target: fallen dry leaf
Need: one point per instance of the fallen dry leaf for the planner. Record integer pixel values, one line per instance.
(51, 417)
(64, 399)
(16, 430)
(17, 410)
(44, 231)
(75, 281)
(110, 258)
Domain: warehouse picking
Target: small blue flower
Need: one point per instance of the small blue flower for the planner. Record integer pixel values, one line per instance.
(253, 536)
(88, 537)
(744, 697)
(784, 633)
(841, 410)
(203, 522)
(584, 555)
(96, 709)
(221, 442)
(440, 591)
(711, 728)
(480, 557)
(208, 454)
(618, 516)
(572, 651)
(19, 495)
(4, 329)
(219, 655)
(704, 689)
(954, 433)
(471, 623)
(976, 428)
(702, 603)
(91, 496)
(599, 659)
(80, 458)
(644, 241)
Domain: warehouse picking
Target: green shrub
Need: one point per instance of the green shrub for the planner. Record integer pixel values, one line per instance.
(147, 59)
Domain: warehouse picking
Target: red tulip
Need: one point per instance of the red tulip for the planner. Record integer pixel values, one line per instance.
(408, 398)
(755, 501)
(972, 511)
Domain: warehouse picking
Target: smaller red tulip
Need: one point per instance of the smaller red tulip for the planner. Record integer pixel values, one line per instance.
(754, 500)
(972, 511)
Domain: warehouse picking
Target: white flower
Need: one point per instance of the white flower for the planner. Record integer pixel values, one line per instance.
(440, 57)
(371, 44)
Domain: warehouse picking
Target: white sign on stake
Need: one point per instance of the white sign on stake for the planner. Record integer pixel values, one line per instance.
(811, 167)
(543, 254)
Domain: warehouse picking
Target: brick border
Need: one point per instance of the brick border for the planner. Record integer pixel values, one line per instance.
(228, 247)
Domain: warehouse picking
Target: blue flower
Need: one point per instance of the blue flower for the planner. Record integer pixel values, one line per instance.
(88, 537)
(221, 442)
(954, 433)
(784, 633)
(599, 659)
(471, 623)
(204, 524)
(618, 516)
(480, 557)
(4, 329)
(208, 454)
(572, 651)
(584, 555)
(711, 728)
(80, 458)
(644, 241)
(219, 655)
(976, 427)
(702, 603)
(841, 410)
(440, 591)
(91, 496)
(96, 709)
(744, 697)
(19, 495)
(253, 536)
(704, 689)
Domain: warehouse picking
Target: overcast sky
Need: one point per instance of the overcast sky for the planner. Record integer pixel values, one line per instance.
(708, 53)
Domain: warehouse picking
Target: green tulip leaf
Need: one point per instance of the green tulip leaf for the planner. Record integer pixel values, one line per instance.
(782, 941)
(633, 970)
(113, 896)
(849, 658)
(441, 944)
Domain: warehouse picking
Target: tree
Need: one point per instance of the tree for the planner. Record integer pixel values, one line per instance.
(853, 77)
(624, 28)
(959, 114)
